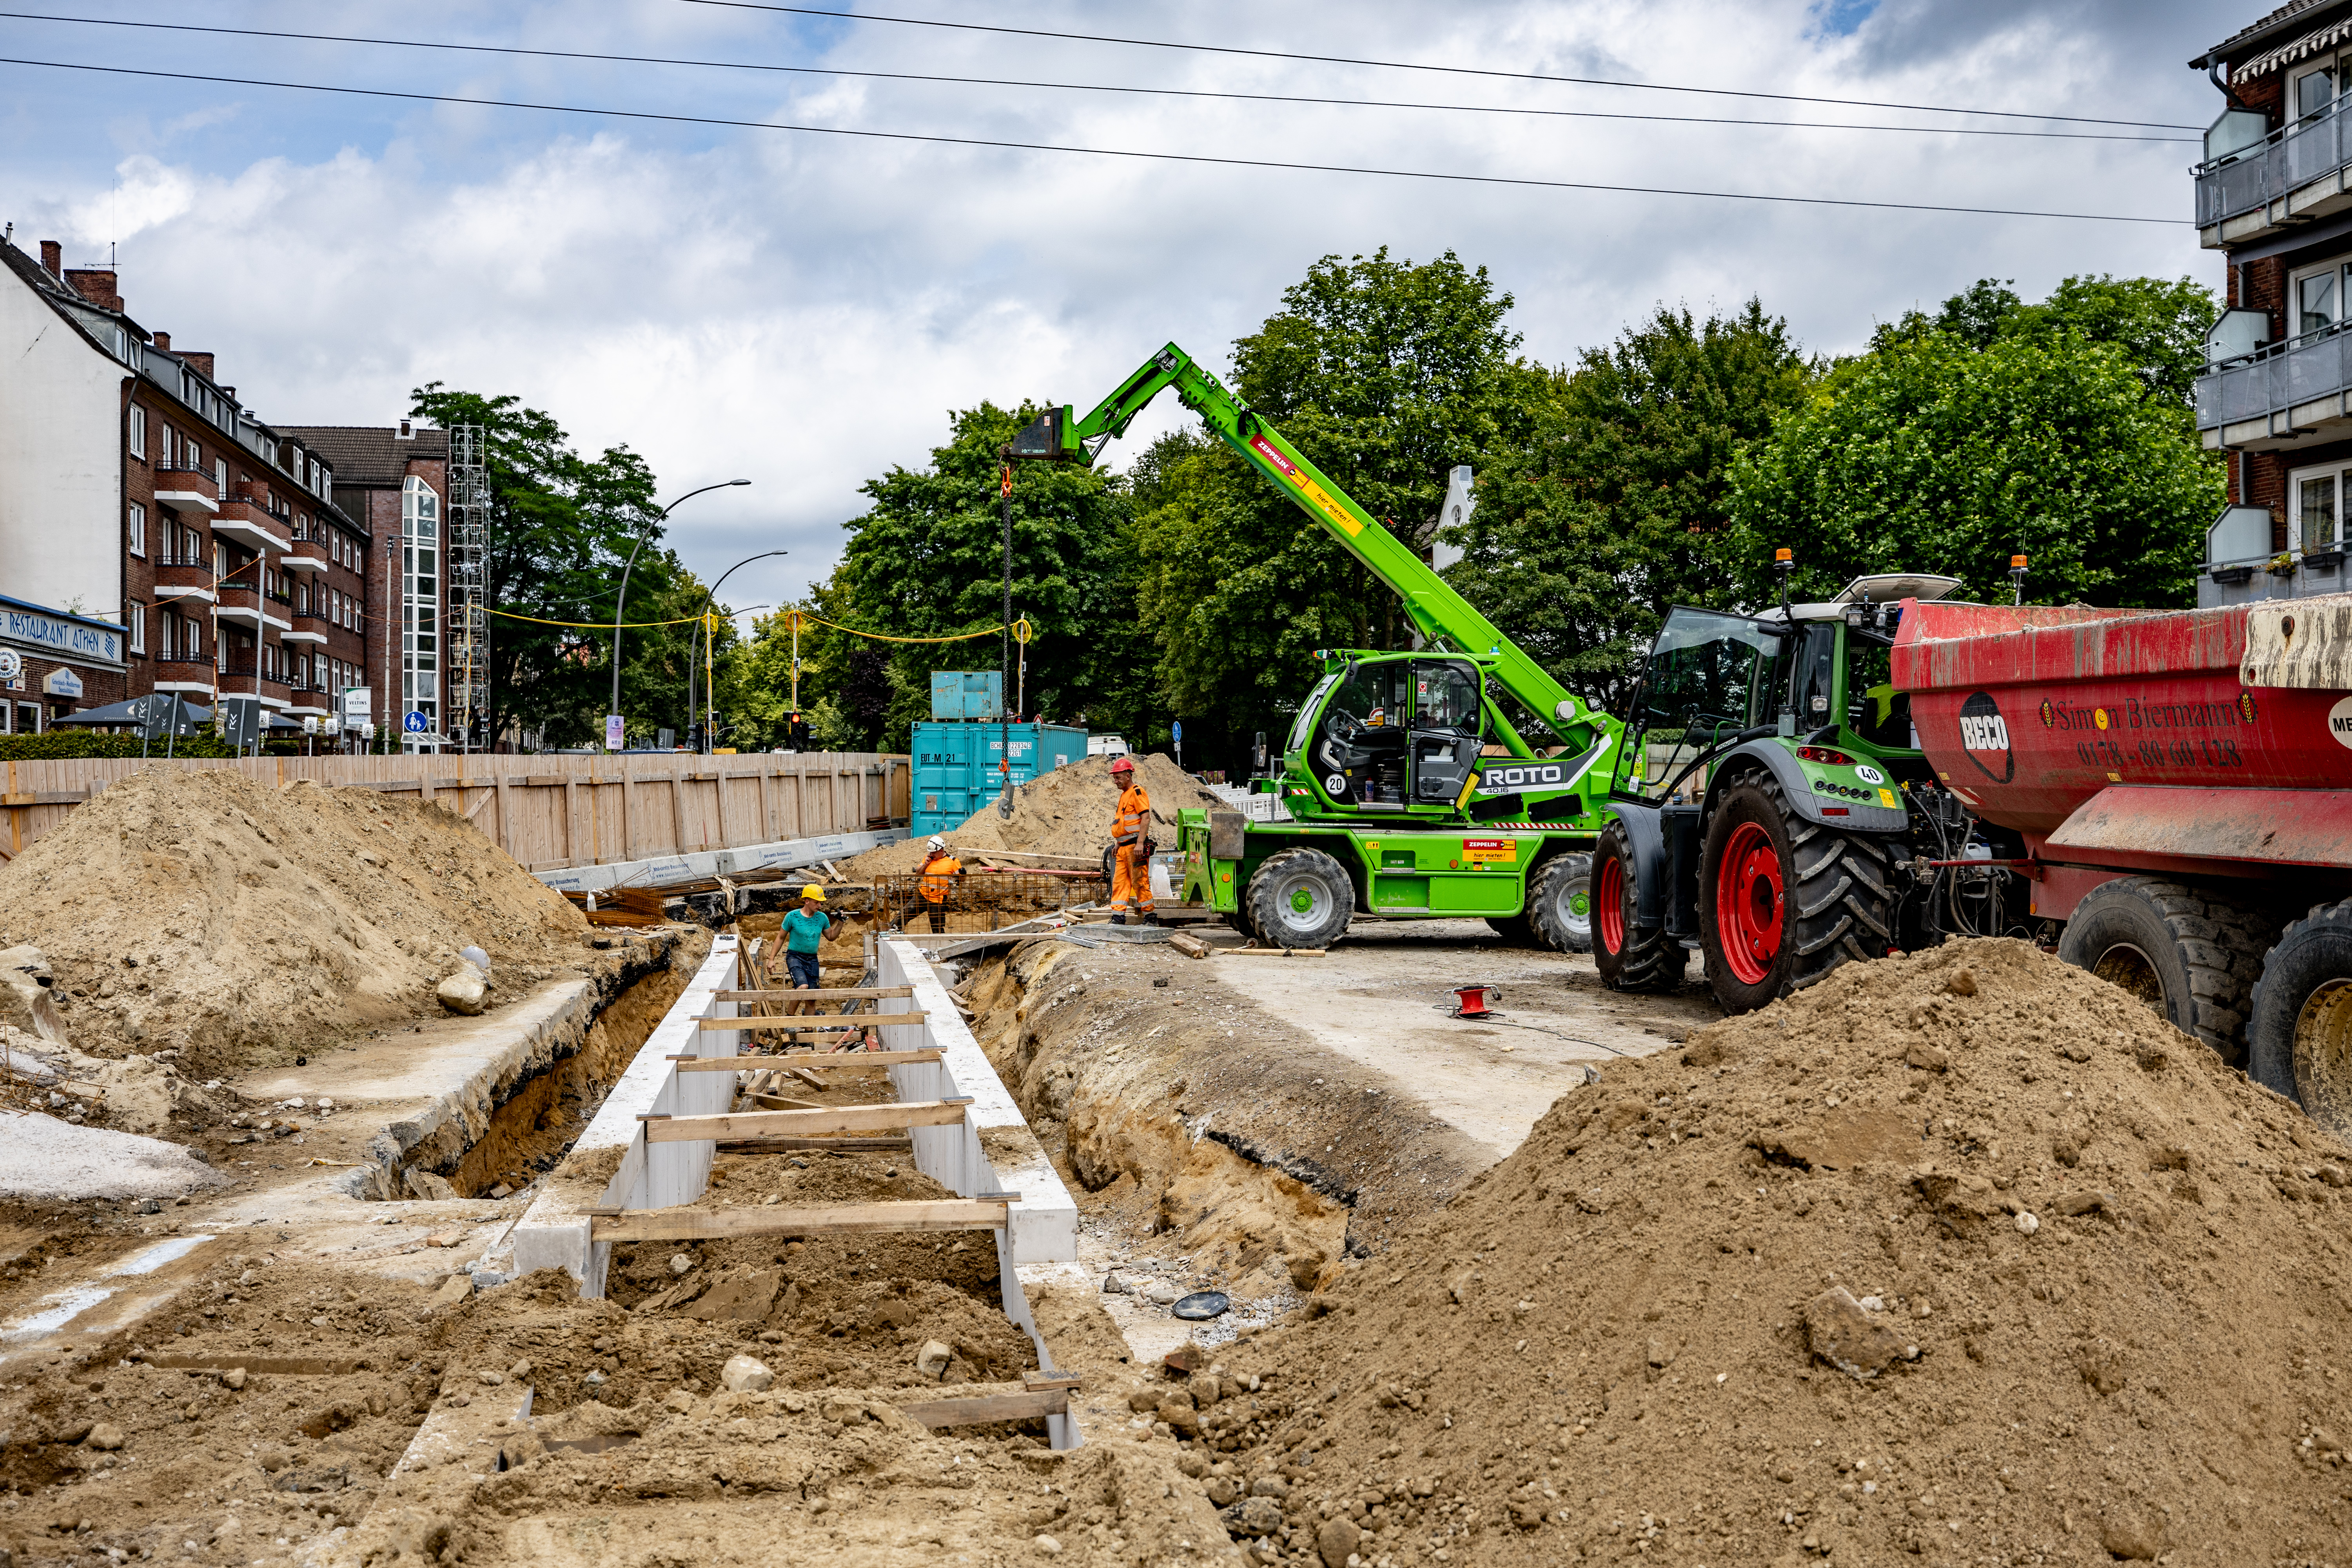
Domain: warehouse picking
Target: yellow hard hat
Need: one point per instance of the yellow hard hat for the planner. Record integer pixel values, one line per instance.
(813, 891)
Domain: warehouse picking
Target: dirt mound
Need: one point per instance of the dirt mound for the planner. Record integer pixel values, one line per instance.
(1068, 812)
(1966, 1255)
(207, 911)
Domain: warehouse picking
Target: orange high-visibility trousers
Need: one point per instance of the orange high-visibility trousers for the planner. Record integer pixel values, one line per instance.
(1130, 882)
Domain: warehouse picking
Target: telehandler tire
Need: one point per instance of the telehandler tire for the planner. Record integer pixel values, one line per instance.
(1300, 898)
(2193, 957)
(1782, 901)
(1560, 903)
(1629, 958)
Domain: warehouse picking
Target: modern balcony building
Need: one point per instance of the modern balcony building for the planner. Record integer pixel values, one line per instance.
(2273, 195)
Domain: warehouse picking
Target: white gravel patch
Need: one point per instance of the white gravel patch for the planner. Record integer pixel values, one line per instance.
(42, 1157)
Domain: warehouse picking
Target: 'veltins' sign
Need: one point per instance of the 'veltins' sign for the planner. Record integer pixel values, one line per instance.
(75, 639)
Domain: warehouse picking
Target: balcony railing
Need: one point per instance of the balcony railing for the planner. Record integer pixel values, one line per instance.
(2288, 159)
(2276, 378)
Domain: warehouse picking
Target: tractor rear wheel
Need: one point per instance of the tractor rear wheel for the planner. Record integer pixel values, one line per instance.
(1629, 958)
(1560, 903)
(2191, 957)
(2299, 1032)
(1782, 901)
(1301, 898)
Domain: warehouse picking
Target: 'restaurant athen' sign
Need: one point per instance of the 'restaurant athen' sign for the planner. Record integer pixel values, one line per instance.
(60, 635)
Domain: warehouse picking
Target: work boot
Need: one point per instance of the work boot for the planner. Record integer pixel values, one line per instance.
(1150, 919)
(1118, 920)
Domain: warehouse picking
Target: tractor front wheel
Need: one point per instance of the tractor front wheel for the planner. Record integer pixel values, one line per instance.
(1782, 901)
(1301, 898)
(1629, 958)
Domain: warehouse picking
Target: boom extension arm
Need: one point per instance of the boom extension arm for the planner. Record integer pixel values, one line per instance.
(1442, 616)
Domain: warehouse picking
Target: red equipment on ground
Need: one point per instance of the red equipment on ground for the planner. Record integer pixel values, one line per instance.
(2181, 784)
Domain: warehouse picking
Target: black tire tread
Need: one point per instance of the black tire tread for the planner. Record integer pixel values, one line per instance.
(1653, 961)
(1277, 865)
(1844, 910)
(2282, 1069)
(2225, 948)
(1543, 892)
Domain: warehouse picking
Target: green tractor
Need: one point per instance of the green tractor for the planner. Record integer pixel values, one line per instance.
(1758, 809)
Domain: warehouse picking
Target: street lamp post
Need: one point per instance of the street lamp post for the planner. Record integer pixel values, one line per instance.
(710, 695)
(621, 603)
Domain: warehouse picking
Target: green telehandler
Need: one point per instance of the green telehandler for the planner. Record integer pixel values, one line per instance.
(1395, 807)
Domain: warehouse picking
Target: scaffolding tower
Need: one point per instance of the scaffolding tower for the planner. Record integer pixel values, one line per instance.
(468, 642)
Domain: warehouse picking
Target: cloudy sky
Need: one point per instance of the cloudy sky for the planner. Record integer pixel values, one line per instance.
(801, 310)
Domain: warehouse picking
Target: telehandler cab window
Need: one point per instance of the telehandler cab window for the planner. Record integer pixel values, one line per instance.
(1373, 695)
(1302, 729)
(1444, 696)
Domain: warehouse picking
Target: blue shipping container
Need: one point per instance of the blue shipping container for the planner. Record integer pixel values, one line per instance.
(967, 694)
(956, 766)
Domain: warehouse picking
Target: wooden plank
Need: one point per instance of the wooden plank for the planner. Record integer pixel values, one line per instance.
(1190, 946)
(827, 994)
(779, 1102)
(1269, 953)
(800, 1061)
(720, 783)
(886, 1118)
(826, 1145)
(813, 1023)
(767, 811)
(987, 1408)
(504, 837)
(833, 1219)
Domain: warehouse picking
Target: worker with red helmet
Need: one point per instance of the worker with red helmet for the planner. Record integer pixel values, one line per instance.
(1131, 847)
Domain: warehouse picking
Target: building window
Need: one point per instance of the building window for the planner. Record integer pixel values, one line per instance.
(134, 529)
(2313, 91)
(135, 627)
(138, 431)
(2316, 500)
(2316, 298)
(220, 477)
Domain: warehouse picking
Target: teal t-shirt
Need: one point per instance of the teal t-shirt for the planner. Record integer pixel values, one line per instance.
(805, 930)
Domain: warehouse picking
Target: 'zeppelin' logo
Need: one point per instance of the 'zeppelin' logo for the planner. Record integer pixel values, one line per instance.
(1984, 736)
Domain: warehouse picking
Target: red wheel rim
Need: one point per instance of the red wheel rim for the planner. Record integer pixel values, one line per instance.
(1609, 905)
(1747, 903)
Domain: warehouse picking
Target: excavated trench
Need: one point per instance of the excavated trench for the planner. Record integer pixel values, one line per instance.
(522, 1122)
(1191, 1115)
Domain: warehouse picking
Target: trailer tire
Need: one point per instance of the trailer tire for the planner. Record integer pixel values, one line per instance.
(2193, 958)
(1301, 898)
(1629, 958)
(1560, 903)
(2299, 1030)
(1808, 898)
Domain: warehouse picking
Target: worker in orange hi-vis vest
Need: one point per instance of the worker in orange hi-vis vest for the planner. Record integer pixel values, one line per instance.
(940, 870)
(1131, 847)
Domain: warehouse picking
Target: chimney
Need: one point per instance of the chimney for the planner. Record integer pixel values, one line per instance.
(163, 341)
(97, 286)
(53, 257)
(406, 431)
(202, 363)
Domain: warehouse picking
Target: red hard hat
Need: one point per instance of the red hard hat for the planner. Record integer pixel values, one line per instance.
(1122, 765)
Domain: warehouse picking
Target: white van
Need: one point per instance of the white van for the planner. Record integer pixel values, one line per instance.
(1106, 746)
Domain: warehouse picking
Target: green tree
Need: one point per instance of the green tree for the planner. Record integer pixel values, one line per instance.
(1931, 454)
(560, 527)
(2159, 324)
(1385, 375)
(1612, 509)
(926, 560)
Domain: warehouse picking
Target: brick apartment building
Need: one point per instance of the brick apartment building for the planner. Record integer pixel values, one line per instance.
(2273, 195)
(156, 536)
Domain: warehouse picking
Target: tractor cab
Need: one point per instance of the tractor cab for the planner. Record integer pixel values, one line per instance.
(1386, 732)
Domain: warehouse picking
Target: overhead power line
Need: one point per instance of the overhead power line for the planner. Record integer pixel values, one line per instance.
(1411, 65)
(1072, 86)
(1204, 159)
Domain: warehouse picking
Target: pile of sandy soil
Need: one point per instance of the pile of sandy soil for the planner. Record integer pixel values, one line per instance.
(1068, 812)
(1966, 1255)
(204, 910)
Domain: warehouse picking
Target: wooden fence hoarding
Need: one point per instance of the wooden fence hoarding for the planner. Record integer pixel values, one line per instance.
(549, 812)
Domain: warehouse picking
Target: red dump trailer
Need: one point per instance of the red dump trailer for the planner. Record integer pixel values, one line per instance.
(2173, 795)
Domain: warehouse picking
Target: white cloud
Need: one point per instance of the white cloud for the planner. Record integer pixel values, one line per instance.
(803, 311)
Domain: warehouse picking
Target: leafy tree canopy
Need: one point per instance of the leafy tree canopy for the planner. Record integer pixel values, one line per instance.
(2159, 324)
(1931, 454)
